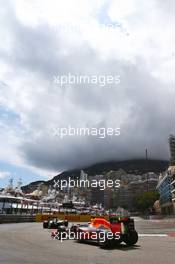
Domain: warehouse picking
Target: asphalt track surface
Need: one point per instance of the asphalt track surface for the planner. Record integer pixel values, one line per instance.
(28, 243)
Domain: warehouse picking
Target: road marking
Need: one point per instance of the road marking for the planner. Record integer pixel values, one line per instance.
(171, 234)
(153, 235)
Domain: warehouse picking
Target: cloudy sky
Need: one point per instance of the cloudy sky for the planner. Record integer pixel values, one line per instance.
(40, 39)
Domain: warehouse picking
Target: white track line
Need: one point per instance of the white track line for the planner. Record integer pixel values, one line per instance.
(153, 235)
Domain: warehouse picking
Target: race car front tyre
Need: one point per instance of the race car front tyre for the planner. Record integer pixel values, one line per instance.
(45, 224)
(103, 243)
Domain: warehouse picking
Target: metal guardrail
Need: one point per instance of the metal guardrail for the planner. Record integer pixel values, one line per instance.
(16, 218)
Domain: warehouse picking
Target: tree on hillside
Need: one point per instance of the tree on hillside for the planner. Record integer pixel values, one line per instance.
(146, 201)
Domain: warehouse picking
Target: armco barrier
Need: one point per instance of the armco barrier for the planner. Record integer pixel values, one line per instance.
(69, 217)
(16, 218)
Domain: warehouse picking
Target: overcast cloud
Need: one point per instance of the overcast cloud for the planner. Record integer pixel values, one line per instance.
(41, 39)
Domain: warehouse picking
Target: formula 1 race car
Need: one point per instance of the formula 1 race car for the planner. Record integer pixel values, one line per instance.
(107, 233)
(99, 230)
(55, 223)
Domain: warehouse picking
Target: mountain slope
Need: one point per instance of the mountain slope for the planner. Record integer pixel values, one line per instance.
(138, 166)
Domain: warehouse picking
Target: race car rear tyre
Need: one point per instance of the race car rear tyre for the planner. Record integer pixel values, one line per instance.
(45, 224)
(131, 238)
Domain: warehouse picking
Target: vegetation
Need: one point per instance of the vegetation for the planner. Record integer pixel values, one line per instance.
(145, 202)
